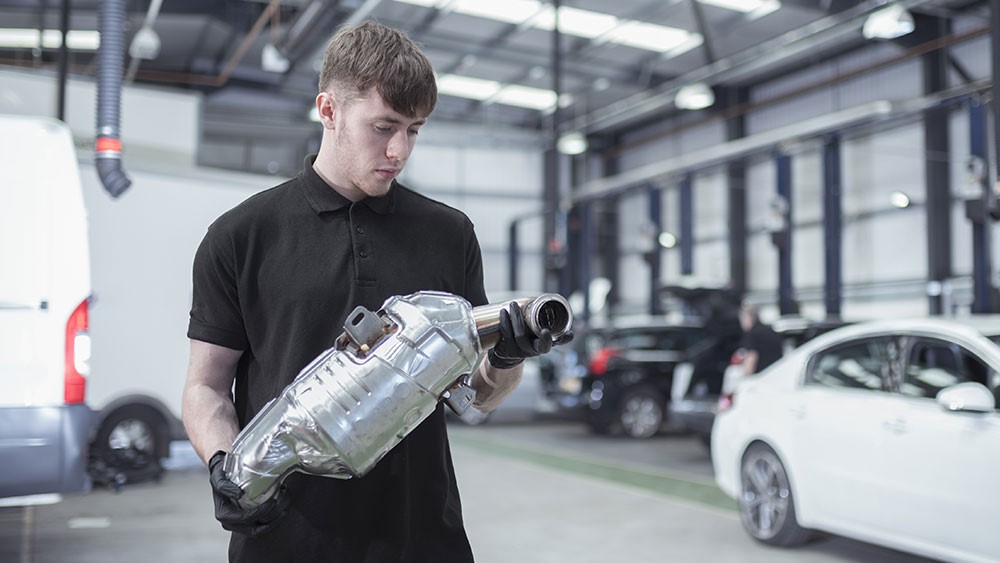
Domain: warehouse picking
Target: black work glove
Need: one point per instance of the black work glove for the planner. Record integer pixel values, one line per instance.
(517, 342)
(233, 517)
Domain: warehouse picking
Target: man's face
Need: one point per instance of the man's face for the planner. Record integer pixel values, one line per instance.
(371, 144)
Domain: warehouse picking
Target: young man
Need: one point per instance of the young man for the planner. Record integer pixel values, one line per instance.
(274, 280)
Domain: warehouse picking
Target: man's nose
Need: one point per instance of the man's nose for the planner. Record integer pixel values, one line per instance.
(399, 146)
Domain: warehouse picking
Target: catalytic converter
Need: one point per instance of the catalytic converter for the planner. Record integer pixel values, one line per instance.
(384, 375)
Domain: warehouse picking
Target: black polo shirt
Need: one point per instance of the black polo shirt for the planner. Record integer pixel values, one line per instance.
(276, 277)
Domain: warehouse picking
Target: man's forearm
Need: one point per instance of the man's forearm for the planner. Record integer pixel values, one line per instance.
(492, 385)
(210, 420)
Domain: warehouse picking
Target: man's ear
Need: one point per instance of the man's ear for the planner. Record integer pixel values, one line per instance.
(326, 106)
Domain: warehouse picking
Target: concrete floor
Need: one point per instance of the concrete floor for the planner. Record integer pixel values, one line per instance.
(541, 493)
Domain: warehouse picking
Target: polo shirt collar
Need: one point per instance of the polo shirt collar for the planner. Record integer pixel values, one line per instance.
(322, 197)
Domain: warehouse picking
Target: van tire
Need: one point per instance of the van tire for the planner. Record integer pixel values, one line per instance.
(128, 446)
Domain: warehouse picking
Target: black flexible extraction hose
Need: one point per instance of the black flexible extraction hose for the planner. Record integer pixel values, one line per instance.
(110, 64)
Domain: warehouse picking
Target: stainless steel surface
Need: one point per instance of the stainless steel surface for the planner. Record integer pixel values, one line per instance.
(348, 408)
(549, 310)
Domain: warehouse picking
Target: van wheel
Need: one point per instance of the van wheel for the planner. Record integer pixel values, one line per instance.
(128, 445)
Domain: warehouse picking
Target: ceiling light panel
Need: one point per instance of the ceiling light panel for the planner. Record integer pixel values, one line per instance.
(467, 87)
(510, 11)
(573, 21)
(745, 6)
(582, 23)
(523, 96)
(649, 36)
(22, 38)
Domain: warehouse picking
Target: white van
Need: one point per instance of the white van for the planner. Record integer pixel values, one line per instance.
(142, 246)
(45, 424)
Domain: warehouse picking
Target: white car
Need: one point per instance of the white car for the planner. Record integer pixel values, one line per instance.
(885, 431)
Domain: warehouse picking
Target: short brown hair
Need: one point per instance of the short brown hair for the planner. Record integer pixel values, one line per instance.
(372, 55)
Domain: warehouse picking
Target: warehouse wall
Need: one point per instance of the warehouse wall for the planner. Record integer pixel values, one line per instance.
(143, 243)
(884, 248)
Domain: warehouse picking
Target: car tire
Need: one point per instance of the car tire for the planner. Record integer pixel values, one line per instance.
(128, 444)
(766, 503)
(641, 412)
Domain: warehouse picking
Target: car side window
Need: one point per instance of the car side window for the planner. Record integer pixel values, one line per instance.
(858, 365)
(633, 340)
(932, 365)
(673, 340)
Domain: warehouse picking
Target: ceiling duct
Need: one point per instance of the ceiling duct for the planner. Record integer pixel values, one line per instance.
(110, 63)
(311, 27)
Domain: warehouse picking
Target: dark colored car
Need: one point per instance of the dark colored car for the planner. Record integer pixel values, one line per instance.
(630, 373)
(698, 387)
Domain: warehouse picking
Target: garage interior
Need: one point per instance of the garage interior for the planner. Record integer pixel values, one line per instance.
(834, 160)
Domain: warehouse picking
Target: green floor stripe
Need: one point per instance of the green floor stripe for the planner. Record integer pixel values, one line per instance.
(702, 493)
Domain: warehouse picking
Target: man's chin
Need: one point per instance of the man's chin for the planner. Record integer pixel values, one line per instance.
(379, 190)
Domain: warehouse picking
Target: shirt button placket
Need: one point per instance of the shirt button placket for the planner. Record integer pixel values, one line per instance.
(362, 246)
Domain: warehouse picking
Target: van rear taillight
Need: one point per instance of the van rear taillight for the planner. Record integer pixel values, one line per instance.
(600, 359)
(77, 366)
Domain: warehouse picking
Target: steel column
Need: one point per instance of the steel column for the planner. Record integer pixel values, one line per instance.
(512, 256)
(937, 176)
(63, 59)
(978, 210)
(608, 247)
(654, 200)
(586, 240)
(782, 233)
(736, 172)
(686, 234)
(833, 230)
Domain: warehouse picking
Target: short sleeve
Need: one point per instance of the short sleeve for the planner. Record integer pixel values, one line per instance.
(475, 290)
(216, 316)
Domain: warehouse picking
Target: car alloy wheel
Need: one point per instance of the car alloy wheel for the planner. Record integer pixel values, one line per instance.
(641, 413)
(767, 508)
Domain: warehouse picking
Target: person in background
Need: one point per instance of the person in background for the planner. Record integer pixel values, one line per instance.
(762, 345)
(274, 280)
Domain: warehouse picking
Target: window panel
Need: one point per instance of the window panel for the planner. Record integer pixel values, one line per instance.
(934, 364)
(859, 365)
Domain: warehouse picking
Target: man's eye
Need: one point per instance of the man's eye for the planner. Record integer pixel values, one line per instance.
(382, 128)
(414, 131)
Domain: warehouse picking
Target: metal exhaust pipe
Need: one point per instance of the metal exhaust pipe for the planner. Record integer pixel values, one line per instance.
(547, 311)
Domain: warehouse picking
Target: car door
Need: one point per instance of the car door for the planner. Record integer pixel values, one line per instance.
(944, 489)
(837, 431)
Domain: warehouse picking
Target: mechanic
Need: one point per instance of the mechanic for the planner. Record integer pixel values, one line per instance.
(762, 345)
(274, 280)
